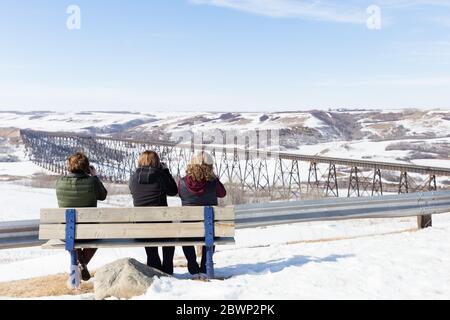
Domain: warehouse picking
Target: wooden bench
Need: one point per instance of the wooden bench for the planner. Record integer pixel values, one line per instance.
(84, 228)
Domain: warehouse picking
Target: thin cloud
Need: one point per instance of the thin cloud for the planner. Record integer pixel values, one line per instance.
(322, 10)
(390, 81)
(398, 4)
(313, 10)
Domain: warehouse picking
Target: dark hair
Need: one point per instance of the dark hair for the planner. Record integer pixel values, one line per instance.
(78, 163)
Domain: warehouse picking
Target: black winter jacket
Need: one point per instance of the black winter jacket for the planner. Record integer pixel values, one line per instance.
(151, 186)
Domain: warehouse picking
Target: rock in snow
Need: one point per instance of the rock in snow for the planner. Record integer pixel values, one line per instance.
(124, 279)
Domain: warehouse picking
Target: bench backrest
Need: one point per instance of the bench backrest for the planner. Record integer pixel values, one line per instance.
(136, 223)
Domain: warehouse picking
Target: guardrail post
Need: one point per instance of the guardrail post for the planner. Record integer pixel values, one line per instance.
(426, 221)
(71, 217)
(209, 241)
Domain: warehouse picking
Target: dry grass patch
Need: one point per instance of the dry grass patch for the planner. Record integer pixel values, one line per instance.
(53, 286)
(48, 286)
(297, 121)
(382, 126)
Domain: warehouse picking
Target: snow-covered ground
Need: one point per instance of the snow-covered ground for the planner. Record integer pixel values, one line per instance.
(273, 263)
(366, 259)
(374, 151)
(70, 122)
(402, 266)
(20, 169)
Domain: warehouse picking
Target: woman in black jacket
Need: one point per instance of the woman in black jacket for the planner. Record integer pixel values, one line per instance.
(150, 185)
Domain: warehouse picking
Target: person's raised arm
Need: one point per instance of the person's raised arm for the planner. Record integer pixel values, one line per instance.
(169, 184)
(131, 184)
(221, 192)
(100, 191)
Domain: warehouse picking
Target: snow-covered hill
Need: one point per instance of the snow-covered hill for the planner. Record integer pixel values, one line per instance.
(85, 122)
(313, 125)
(421, 137)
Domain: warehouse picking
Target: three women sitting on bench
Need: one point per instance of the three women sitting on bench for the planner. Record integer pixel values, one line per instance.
(149, 185)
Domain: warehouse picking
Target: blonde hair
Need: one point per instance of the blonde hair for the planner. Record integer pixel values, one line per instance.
(201, 167)
(149, 159)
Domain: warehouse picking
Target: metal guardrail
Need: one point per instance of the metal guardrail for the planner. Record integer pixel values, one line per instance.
(334, 209)
(19, 234)
(25, 233)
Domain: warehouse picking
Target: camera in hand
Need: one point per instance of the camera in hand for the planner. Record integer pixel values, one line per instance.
(92, 171)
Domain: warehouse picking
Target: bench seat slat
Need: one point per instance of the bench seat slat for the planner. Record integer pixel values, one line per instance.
(58, 244)
(135, 231)
(140, 214)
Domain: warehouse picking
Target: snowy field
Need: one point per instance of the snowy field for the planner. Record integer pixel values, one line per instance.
(326, 260)
(273, 263)
(366, 259)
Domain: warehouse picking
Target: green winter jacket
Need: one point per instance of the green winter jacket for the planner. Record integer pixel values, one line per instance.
(79, 190)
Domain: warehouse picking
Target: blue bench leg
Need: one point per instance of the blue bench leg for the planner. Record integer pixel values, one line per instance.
(70, 247)
(210, 262)
(74, 273)
(209, 241)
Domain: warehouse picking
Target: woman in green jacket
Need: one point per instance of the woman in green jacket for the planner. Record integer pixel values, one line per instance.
(81, 188)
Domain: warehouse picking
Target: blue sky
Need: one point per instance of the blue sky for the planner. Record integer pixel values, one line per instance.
(223, 55)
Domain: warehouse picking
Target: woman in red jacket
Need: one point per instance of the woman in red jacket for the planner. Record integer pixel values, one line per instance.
(200, 187)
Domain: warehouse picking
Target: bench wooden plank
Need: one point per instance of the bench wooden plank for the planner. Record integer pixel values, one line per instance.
(141, 214)
(135, 231)
(113, 244)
